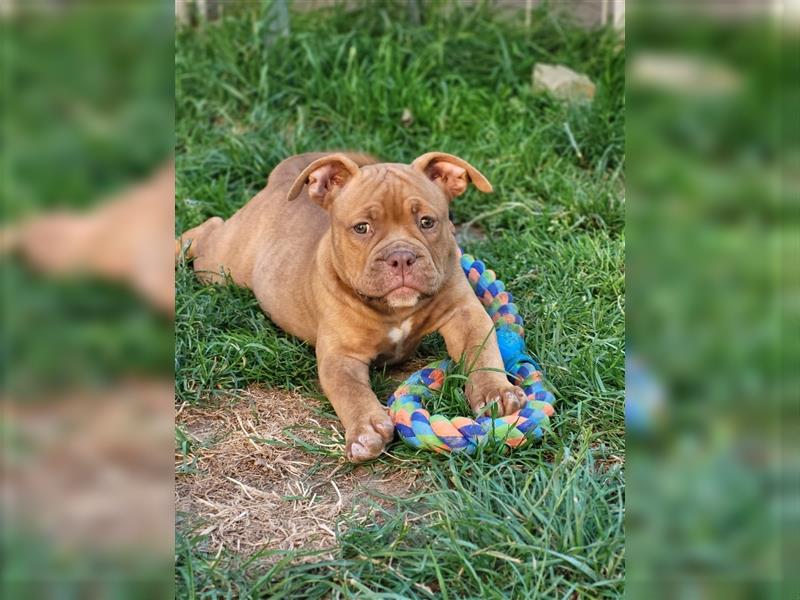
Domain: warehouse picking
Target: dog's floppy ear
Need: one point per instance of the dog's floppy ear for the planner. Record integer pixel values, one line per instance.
(325, 177)
(450, 173)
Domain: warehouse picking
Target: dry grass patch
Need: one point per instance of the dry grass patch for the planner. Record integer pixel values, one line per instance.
(265, 471)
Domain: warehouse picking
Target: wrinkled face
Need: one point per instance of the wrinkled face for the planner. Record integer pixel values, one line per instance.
(391, 235)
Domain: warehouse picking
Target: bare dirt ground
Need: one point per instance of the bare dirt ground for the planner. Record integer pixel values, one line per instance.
(251, 485)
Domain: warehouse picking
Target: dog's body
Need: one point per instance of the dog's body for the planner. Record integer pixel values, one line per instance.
(362, 264)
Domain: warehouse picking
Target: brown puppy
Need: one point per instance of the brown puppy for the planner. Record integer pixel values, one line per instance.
(359, 259)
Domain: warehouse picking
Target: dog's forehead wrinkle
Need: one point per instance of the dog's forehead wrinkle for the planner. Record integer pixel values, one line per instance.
(374, 174)
(393, 174)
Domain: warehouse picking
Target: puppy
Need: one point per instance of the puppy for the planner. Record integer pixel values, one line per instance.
(359, 259)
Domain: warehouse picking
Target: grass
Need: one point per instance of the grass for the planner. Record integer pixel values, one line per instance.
(545, 521)
(501, 528)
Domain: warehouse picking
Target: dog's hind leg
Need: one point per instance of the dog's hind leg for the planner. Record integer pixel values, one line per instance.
(193, 241)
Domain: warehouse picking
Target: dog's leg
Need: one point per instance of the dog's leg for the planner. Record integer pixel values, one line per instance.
(192, 240)
(470, 333)
(345, 381)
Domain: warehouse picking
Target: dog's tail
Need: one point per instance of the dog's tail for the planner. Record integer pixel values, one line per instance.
(191, 242)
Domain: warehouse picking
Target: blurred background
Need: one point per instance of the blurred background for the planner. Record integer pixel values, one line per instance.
(712, 249)
(86, 241)
(712, 253)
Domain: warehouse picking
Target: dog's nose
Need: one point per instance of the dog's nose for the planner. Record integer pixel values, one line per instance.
(399, 262)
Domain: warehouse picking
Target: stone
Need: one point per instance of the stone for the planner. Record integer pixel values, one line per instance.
(563, 83)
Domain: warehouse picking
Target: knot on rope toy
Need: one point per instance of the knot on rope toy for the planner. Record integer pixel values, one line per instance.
(417, 427)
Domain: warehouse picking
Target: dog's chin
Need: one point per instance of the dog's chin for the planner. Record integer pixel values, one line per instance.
(403, 297)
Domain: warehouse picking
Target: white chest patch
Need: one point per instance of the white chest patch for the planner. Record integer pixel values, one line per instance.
(398, 334)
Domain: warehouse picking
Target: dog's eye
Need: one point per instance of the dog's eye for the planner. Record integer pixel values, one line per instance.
(427, 222)
(361, 228)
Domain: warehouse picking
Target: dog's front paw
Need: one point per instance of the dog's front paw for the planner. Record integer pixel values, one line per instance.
(368, 437)
(507, 397)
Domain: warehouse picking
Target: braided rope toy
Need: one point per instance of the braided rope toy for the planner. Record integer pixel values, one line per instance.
(417, 427)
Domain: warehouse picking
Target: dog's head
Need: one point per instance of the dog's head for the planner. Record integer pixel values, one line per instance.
(390, 229)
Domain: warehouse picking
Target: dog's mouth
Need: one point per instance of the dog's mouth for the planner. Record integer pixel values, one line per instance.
(406, 286)
(379, 284)
(401, 296)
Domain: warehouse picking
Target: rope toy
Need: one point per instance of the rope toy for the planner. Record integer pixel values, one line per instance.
(417, 427)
